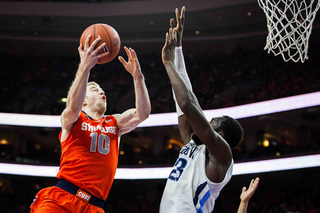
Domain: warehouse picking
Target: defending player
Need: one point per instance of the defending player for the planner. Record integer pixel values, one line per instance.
(89, 140)
(205, 163)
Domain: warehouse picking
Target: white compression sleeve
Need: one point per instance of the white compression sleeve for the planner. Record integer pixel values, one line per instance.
(181, 68)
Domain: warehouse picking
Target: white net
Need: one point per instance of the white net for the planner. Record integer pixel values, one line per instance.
(289, 24)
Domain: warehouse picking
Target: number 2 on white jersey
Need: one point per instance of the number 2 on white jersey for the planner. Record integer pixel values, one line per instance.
(103, 143)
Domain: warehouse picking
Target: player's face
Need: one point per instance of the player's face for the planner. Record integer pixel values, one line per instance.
(96, 97)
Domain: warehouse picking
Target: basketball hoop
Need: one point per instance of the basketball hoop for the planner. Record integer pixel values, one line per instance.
(289, 24)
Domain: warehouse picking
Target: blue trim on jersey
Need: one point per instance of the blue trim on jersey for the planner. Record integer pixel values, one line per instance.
(198, 191)
(200, 211)
(87, 115)
(203, 201)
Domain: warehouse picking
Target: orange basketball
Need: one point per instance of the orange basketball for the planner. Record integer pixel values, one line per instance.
(108, 35)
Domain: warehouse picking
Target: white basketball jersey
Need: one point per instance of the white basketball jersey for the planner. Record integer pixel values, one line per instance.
(188, 189)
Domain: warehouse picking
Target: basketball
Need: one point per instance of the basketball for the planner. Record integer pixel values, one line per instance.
(108, 35)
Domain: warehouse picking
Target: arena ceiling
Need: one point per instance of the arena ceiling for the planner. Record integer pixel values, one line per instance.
(55, 27)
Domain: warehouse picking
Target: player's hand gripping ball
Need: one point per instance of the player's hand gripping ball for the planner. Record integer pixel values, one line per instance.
(107, 34)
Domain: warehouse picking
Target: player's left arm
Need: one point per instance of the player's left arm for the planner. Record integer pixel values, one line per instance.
(131, 118)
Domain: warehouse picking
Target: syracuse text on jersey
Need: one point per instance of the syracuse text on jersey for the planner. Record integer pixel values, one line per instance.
(109, 129)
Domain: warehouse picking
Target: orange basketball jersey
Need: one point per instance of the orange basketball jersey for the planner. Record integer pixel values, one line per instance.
(89, 155)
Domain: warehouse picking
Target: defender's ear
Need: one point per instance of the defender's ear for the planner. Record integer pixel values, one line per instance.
(221, 133)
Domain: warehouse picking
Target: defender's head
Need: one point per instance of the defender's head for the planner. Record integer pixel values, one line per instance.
(229, 128)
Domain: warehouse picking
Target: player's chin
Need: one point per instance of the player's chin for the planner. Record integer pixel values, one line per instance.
(102, 106)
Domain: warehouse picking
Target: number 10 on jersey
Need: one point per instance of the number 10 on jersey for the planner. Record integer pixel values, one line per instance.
(103, 143)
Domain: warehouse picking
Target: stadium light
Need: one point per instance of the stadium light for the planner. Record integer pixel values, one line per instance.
(165, 119)
(251, 167)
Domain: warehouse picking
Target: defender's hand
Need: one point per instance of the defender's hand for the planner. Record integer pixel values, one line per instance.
(169, 46)
(180, 24)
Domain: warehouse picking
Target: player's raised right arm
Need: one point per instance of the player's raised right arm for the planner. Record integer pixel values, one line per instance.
(77, 91)
(185, 128)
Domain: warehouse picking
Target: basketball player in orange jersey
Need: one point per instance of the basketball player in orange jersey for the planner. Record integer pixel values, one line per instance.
(90, 140)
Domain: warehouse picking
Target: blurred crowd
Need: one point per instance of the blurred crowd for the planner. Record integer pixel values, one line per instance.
(36, 84)
(277, 195)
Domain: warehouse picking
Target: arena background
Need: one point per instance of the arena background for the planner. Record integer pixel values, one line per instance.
(223, 47)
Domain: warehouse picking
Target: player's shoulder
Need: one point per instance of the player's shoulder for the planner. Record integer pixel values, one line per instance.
(115, 116)
(109, 118)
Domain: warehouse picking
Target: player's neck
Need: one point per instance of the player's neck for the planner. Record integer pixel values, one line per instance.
(93, 113)
(196, 139)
